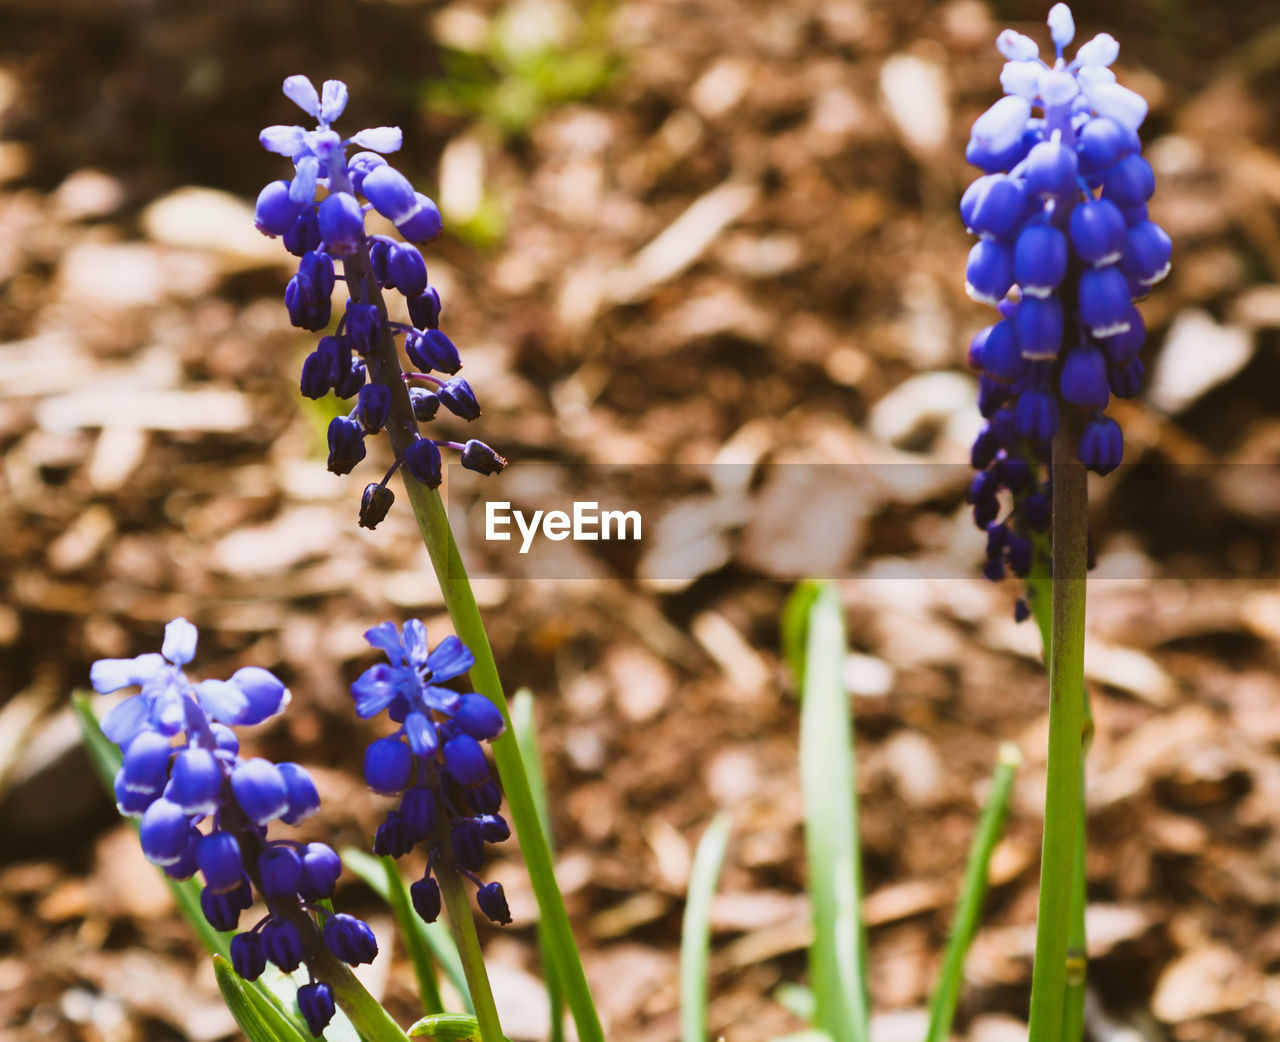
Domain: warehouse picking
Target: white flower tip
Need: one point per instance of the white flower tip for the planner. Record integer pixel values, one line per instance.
(1062, 27)
(302, 92)
(1021, 78)
(333, 99)
(1102, 50)
(1125, 106)
(179, 642)
(1059, 88)
(1002, 125)
(1017, 48)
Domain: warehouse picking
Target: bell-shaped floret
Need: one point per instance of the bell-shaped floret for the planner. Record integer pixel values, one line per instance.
(1105, 301)
(346, 445)
(387, 765)
(493, 903)
(280, 870)
(1084, 378)
(1040, 259)
(220, 861)
(275, 212)
(406, 270)
(390, 192)
(1129, 182)
(989, 272)
(425, 895)
(1101, 445)
(424, 462)
(1001, 358)
(423, 224)
(1050, 171)
(1036, 415)
(315, 1003)
(993, 205)
(247, 957)
(282, 944)
(164, 832)
(264, 691)
(350, 939)
(321, 868)
(431, 349)
(341, 224)
(1038, 323)
(464, 759)
(1126, 380)
(304, 800)
(1097, 231)
(260, 789)
(196, 782)
(1147, 251)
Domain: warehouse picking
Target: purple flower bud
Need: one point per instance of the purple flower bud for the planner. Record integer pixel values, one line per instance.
(422, 224)
(467, 842)
(464, 759)
(352, 381)
(485, 798)
(341, 223)
(425, 894)
(1036, 415)
(260, 789)
(456, 396)
(424, 462)
(350, 939)
(247, 957)
(1084, 378)
(1129, 182)
(478, 717)
(304, 800)
(494, 827)
(1101, 445)
(390, 192)
(317, 376)
(1020, 554)
(387, 765)
(304, 236)
(359, 166)
(1001, 357)
(374, 504)
(1040, 259)
(1126, 380)
(1122, 348)
(1104, 301)
(346, 445)
(1038, 323)
(315, 1003)
(164, 832)
(282, 944)
(1103, 142)
(425, 404)
(275, 212)
(1050, 171)
(363, 326)
(196, 781)
(432, 350)
(418, 810)
(1097, 231)
(989, 273)
(1147, 251)
(424, 309)
(379, 247)
(406, 270)
(185, 867)
(373, 403)
(321, 868)
(280, 870)
(264, 691)
(993, 205)
(132, 802)
(146, 763)
(218, 855)
(493, 903)
(222, 910)
(393, 838)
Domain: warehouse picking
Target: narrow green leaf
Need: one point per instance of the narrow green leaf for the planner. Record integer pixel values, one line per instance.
(972, 894)
(526, 731)
(695, 933)
(435, 936)
(837, 955)
(259, 1019)
(795, 626)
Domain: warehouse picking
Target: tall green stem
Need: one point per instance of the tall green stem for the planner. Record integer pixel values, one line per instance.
(1066, 722)
(463, 925)
(461, 604)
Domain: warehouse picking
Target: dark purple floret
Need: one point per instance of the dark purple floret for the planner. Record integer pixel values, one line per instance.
(374, 504)
(247, 957)
(424, 462)
(432, 350)
(346, 445)
(457, 396)
(315, 1003)
(350, 939)
(425, 894)
(493, 902)
(478, 457)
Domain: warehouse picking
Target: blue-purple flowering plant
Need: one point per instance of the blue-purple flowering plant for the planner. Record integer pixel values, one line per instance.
(204, 808)
(1065, 248)
(321, 219)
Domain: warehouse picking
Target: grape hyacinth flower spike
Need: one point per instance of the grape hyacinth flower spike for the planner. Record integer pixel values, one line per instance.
(360, 360)
(434, 762)
(182, 767)
(1065, 247)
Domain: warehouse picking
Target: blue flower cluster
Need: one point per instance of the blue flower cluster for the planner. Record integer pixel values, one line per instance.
(182, 765)
(1065, 246)
(434, 762)
(359, 359)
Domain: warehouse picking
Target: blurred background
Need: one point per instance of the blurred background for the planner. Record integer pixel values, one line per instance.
(678, 234)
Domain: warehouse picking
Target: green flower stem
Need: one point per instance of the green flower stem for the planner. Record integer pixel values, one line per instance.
(463, 926)
(461, 604)
(1066, 724)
